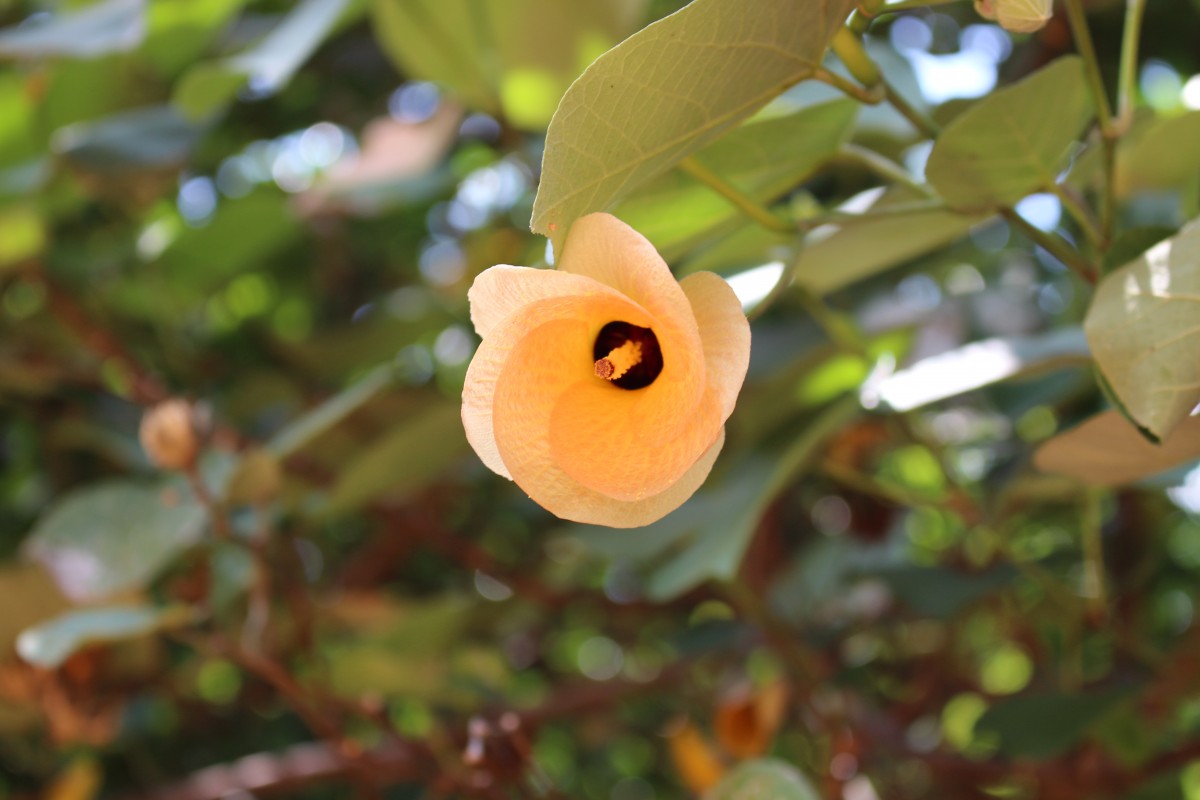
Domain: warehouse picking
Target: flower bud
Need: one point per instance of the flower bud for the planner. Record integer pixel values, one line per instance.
(1018, 16)
(256, 480)
(168, 434)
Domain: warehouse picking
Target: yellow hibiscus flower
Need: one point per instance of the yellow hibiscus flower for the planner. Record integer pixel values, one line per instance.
(602, 387)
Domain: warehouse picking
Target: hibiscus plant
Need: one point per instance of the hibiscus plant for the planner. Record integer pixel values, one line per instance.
(599, 399)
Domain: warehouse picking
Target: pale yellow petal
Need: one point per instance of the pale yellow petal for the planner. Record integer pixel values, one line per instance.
(631, 444)
(556, 492)
(561, 366)
(724, 334)
(502, 290)
(552, 410)
(604, 248)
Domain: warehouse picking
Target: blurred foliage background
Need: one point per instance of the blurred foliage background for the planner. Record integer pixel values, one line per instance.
(275, 209)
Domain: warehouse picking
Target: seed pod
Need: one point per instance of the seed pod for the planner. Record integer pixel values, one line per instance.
(1018, 16)
(168, 434)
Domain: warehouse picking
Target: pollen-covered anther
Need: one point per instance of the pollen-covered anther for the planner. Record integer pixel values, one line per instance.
(619, 361)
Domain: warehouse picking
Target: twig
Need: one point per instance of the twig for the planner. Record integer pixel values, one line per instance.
(1052, 244)
(1094, 584)
(739, 199)
(216, 514)
(1077, 18)
(144, 388)
(883, 167)
(1127, 75)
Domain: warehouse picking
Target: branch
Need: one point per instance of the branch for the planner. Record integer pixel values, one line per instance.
(144, 388)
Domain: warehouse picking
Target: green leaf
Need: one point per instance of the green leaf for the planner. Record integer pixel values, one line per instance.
(512, 57)
(407, 457)
(727, 517)
(267, 66)
(765, 159)
(144, 138)
(180, 31)
(1131, 243)
(1144, 329)
(1162, 155)
(1013, 142)
(839, 255)
(940, 592)
(1107, 451)
(669, 90)
(330, 413)
(244, 232)
(1047, 725)
(764, 779)
(438, 45)
(19, 141)
(22, 235)
(110, 26)
(51, 643)
(974, 366)
(114, 536)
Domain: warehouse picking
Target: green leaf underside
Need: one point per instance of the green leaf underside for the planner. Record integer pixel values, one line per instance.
(643, 106)
(1144, 330)
(940, 592)
(268, 65)
(1163, 154)
(764, 159)
(1045, 726)
(1013, 142)
(764, 779)
(707, 537)
(838, 255)
(143, 138)
(114, 536)
(51, 643)
(512, 57)
(436, 44)
(390, 466)
(111, 26)
(1107, 451)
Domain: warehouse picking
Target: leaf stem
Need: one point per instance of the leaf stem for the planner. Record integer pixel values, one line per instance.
(1078, 212)
(781, 283)
(883, 167)
(917, 118)
(1053, 245)
(739, 199)
(872, 96)
(834, 218)
(220, 524)
(1077, 18)
(1126, 77)
(840, 330)
(847, 45)
(894, 210)
(1094, 585)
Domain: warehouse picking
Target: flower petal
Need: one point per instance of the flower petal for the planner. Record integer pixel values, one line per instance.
(550, 409)
(605, 249)
(479, 408)
(564, 497)
(631, 444)
(502, 290)
(724, 334)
